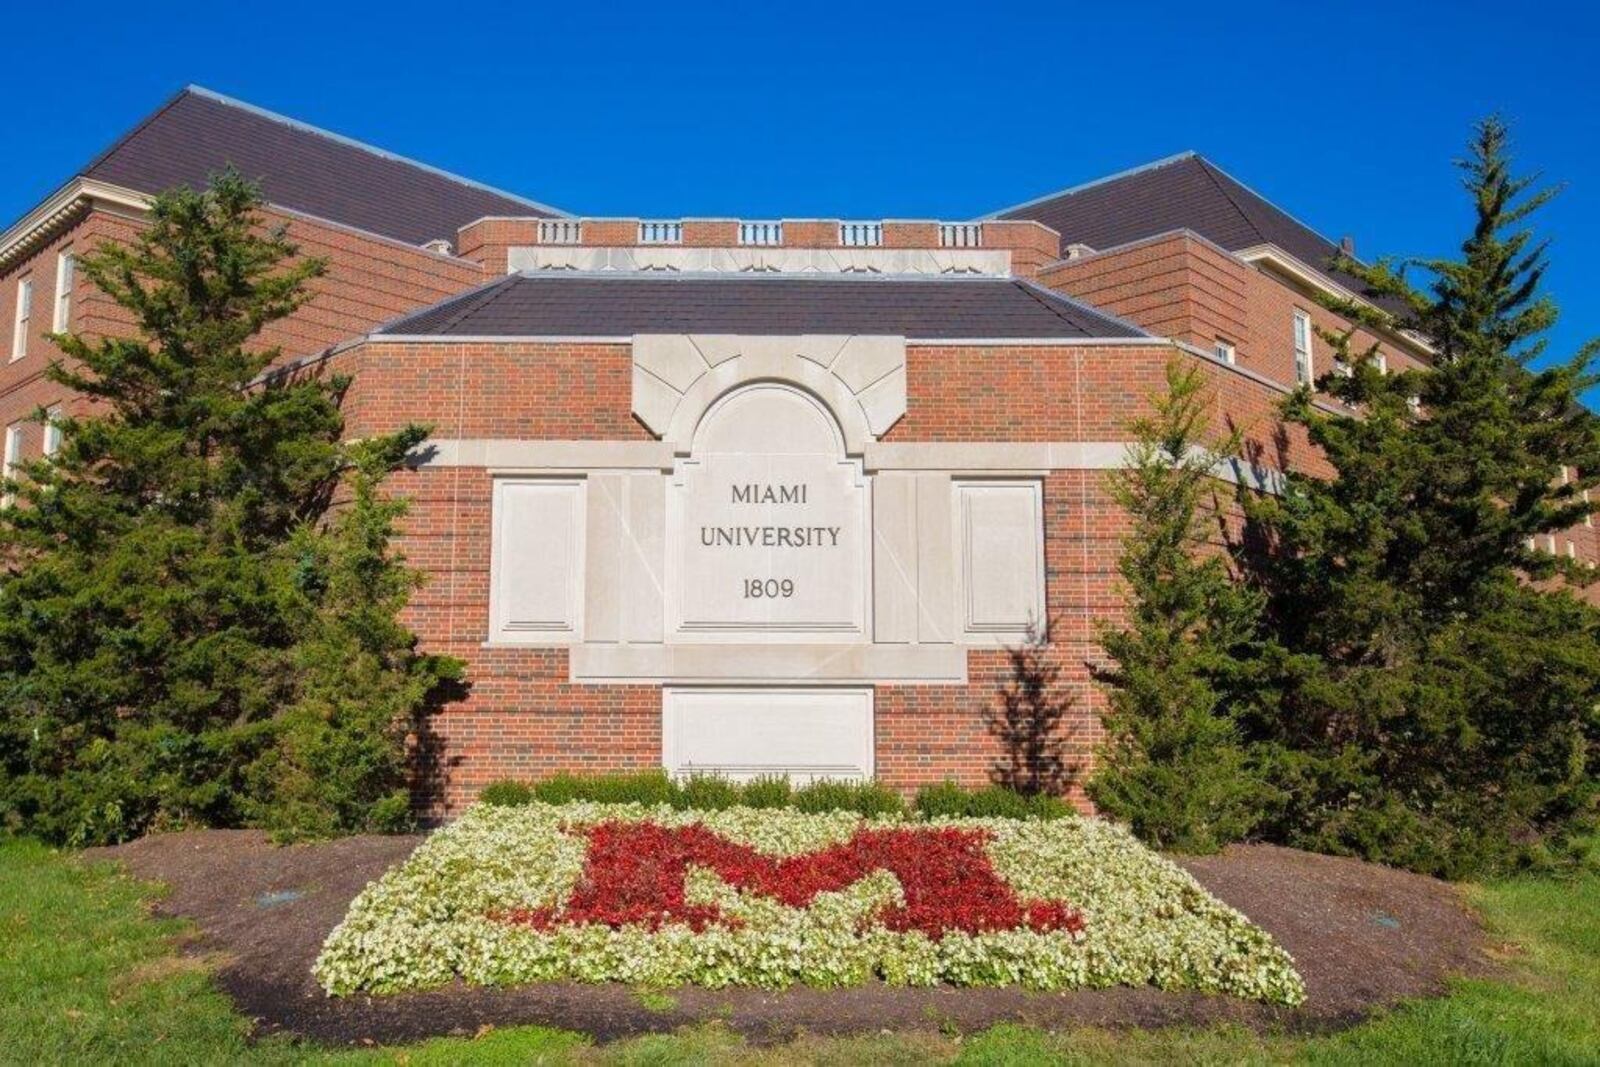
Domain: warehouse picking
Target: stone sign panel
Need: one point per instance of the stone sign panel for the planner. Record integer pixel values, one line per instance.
(767, 523)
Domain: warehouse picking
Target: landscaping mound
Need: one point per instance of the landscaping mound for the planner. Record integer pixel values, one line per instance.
(658, 896)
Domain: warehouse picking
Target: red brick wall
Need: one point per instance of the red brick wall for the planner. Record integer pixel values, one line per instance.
(534, 391)
(369, 281)
(1176, 286)
(1182, 286)
(524, 719)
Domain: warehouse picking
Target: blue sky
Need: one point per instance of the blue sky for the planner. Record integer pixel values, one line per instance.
(1348, 115)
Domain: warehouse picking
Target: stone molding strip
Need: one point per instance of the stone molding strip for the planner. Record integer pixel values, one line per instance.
(993, 263)
(508, 456)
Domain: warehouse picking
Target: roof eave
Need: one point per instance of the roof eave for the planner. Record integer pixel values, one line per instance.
(60, 208)
(1288, 265)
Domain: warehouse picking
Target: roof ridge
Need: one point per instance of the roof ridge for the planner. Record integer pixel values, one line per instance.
(1073, 190)
(1050, 297)
(481, 299)
(1211, 175)
(129, 134)
(465, 295)
(202, 92)
(1269, 202)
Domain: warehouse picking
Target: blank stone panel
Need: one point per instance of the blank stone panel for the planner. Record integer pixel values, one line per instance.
(743, 733)
(1001, 549)
(536, 585)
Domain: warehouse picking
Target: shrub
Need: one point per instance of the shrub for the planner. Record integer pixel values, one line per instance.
(864, 798)
(768, 791)
(950, 800)
(641, 787)
(507, 793)
(1173, 764)
(707, 792)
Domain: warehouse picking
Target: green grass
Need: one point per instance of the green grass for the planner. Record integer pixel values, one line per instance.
(87, 976)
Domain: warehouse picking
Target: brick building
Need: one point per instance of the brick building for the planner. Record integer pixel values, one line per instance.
(731, 494)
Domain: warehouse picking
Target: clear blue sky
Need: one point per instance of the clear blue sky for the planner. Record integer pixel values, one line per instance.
(1348, 116)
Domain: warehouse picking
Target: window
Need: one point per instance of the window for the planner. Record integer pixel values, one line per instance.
(19, 336)
(1572, 550)
(1382, 362)
(52, 432)
(1550, 543)
(1588, 520)
(1225, 352)
(13, 457)
(66, 274)
(1303, 370)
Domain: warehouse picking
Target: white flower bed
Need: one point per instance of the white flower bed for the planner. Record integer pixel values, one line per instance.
(439, 915)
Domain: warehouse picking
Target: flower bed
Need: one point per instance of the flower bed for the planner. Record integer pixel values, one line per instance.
(653, 895)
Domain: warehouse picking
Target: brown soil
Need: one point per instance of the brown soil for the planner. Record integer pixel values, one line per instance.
(1363, 937)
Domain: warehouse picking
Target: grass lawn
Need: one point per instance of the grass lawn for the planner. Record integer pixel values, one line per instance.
(87, 976)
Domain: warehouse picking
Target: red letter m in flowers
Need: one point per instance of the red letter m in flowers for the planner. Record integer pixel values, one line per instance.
(634, 875)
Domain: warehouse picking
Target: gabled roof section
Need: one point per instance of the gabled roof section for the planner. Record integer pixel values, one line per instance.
(299, 167)
(574, 304)
(1185, 191)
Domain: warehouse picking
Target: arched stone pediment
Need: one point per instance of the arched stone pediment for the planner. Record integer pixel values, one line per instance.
(768, 523)
(677, 378)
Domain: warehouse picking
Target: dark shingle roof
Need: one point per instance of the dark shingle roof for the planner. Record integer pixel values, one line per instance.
(1183, 192)
(574, 304)
(299, 167)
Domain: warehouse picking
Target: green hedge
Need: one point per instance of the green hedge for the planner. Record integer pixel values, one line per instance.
(704, 792)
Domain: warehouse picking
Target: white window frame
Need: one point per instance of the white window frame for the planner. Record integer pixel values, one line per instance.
(1226, 352)
(66, 276)
(24, 315)
(1305, 368)
(52, 432)
(13, 457)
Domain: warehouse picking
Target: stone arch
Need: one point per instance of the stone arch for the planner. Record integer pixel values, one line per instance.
(678, 378)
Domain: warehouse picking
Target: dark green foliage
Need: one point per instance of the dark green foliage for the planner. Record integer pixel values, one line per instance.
(507, 793)
(1430, 706)
(341, 759)
(991, 802)
(641, 787)
(767, 791)
(867, 798)
(708, 792)
(701, 792)
(184, 639)
(1173, 764)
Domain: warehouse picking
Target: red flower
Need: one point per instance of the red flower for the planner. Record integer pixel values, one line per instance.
(634, 875)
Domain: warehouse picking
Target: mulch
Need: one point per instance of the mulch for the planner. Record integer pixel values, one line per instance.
(1363, 937)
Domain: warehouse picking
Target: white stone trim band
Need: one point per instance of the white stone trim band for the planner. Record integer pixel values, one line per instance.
(510, 456)
(671, 259)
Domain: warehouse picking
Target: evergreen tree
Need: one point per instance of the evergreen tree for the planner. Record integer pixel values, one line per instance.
(1173, 764)
(159, 574)
(364, 692)
(1434, 704)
